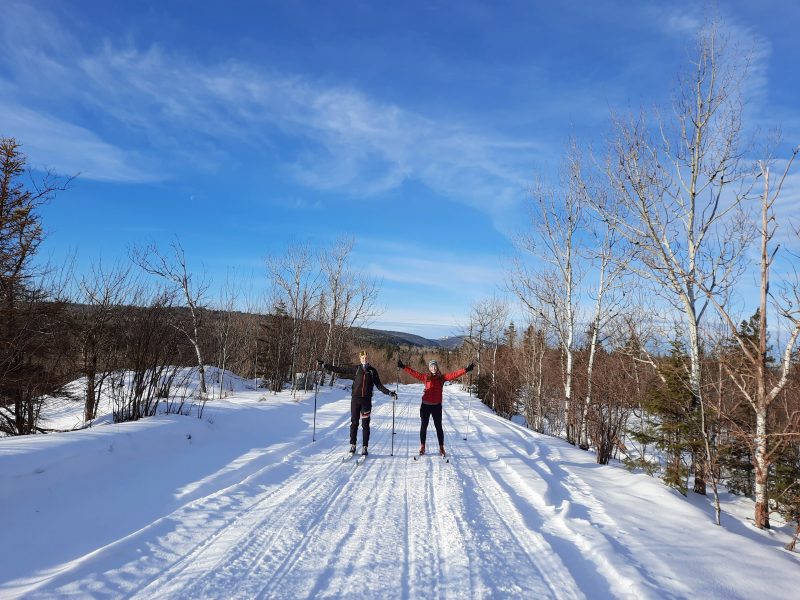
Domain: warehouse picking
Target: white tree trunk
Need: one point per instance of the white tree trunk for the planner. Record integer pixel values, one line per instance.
(494, 376)
(569, 360)
(598, 311)
(200, 367)
(584, 439)
(762, 466)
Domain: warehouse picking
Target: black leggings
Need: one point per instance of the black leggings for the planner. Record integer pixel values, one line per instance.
(360, 409)
(426, 411)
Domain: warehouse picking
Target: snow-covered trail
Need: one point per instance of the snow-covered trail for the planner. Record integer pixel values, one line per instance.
(513, 514)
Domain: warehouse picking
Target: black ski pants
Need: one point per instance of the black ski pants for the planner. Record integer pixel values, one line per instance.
(360, 408)
(426, 411)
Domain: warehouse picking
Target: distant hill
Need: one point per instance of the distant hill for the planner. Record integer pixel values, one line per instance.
(382, 337)
(452, 342)
(370, 336)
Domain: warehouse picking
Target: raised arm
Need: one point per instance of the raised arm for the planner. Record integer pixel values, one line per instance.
(345, 370)
(459, 373)
(410, 371)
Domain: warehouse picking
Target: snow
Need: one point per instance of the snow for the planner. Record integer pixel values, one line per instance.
(243, 504)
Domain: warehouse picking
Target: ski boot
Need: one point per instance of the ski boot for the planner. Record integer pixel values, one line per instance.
(364, 451)
(352, 448)
(421, 449)
(441, 451)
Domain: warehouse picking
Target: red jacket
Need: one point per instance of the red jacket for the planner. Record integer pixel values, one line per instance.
(434, 383)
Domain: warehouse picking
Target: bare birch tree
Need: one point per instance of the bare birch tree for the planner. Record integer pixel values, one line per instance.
(175, 272)
(356, 303)
(533, 349)
(758, 384)
(680, 192)
(487, 320)
(103, 293)
(297, 282)
(224, 327)
(552, 293)
(609, 262)
(339, 281)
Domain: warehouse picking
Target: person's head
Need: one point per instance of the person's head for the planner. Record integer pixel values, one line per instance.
(363, 356)
(433, 366)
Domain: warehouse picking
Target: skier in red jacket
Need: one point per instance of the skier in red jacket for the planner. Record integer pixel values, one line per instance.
(432, 398)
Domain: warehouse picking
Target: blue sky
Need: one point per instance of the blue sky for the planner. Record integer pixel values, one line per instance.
(417, 128)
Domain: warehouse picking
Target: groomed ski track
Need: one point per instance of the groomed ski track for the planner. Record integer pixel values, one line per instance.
(511, 516)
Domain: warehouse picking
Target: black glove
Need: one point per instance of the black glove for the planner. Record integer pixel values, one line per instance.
(469, 367)
(321, 363)
(393, 395)
(400, 364)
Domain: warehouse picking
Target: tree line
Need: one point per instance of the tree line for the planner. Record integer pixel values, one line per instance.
(661, 299)
(126, 332)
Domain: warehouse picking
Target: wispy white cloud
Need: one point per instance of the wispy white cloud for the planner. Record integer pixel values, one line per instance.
(787, 206)
(446, 273)
(436, 286)
(680, 21)
(746, 50)
(55, 144)
(331, 138)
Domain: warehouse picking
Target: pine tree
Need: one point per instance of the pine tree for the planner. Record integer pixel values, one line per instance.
(785, 487)
(32, 339)
(736, 456)
(674, 423)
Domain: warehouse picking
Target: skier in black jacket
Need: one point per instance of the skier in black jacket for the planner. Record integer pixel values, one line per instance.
(365, 376)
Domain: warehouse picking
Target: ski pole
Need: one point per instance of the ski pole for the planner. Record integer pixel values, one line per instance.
(445, 456)
(469, 405)
(469, 411)
(316, 387)
(396, 387)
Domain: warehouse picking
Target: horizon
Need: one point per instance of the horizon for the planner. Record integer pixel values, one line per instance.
(242, 128)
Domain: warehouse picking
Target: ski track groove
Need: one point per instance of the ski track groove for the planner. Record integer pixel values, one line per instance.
(293, 514)
(252, 549)
(262, 568)
(423, 555)
(359, 479)
(189, 564)
(232, 497)
(593, 543)
(390, 527)
(291, 548)
(380, 548)
(531, 547)
(564, 549)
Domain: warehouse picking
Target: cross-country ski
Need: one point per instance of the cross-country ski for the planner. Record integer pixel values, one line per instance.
(443, 457)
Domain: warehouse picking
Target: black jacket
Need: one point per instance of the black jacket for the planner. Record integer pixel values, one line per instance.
(363, 379)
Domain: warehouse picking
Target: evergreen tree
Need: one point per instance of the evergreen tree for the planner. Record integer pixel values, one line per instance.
(674, 423)
(641, 428)
(785, 487)
(33, 341)
(735, 453)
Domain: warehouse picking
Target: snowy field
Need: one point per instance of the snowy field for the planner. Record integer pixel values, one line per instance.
(242, 504)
